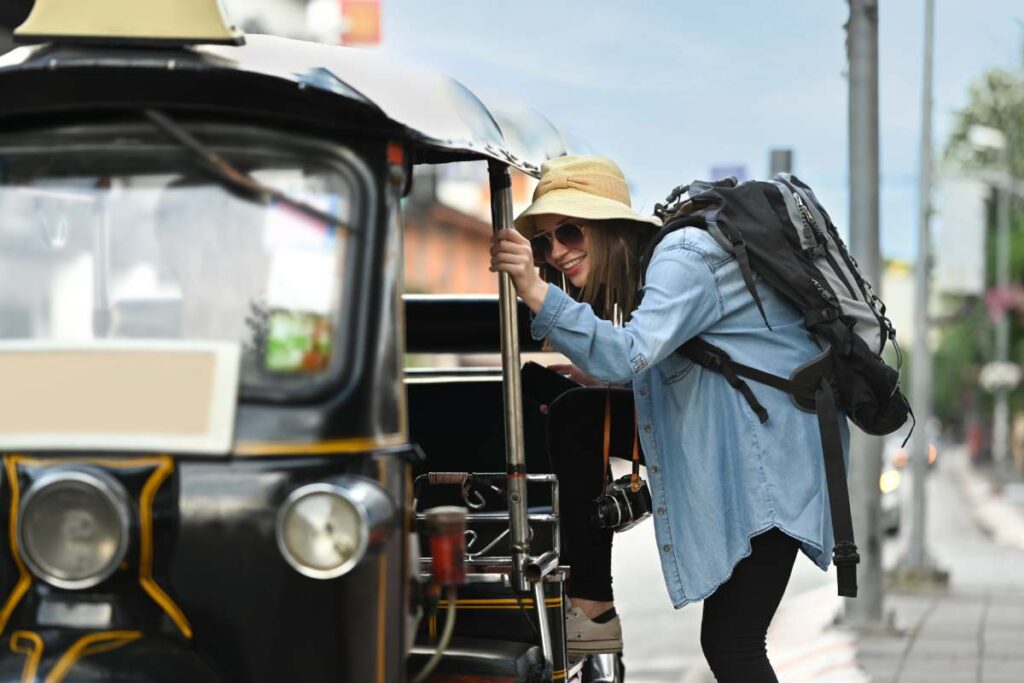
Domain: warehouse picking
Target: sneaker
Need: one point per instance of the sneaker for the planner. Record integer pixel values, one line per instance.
(583, 636)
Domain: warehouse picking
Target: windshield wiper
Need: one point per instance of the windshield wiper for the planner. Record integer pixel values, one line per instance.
(234, 178)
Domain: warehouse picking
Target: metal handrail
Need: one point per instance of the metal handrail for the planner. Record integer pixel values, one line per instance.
(515, 452)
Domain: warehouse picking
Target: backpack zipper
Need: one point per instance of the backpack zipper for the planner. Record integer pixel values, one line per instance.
(876, 305)
(822, 240)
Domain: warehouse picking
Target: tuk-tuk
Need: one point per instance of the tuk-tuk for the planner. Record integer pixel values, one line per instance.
(212, 470)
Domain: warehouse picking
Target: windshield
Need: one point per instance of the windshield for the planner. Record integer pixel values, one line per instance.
(125, 238)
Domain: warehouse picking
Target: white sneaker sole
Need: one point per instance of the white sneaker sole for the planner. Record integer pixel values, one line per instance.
(589, 647)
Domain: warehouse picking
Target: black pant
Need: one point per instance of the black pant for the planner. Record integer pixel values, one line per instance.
(737, 615)
(577, 459)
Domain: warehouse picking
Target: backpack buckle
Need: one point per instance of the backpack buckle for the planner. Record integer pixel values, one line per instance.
(711, 361)
(845, 554)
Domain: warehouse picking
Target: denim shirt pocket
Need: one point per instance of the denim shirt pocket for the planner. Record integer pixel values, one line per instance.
(674, 367)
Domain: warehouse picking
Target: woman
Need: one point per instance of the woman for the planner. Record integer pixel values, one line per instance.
(734, 499)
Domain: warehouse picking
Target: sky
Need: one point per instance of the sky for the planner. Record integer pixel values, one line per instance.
(671, 89)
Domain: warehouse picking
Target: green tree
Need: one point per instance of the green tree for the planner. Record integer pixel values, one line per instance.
(996, 99)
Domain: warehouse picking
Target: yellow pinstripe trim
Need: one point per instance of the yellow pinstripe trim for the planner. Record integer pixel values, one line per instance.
(152, 485)
(32, 655)
(24, 578)
(333, 447)
(558, 675)
(102, 462)
(499, 603)
(432, 626)
(490, 601)
(93, 643)
(164, 465)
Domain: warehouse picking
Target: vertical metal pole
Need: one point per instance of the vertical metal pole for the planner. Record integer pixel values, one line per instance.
(921, 378)
(1001, 412)
(515, 454)
(542, 620)
(101, 315)
(865, 456)
(780, 161)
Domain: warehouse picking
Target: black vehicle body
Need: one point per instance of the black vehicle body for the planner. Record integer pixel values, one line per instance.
(203, 592)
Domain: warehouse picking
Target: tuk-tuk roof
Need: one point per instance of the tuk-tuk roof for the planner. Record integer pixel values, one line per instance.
(442, 117)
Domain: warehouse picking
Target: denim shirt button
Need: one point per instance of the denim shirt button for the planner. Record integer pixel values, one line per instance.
(661, 511)
(647, 428)
(654, 469)
(643, 391)
(667, 548)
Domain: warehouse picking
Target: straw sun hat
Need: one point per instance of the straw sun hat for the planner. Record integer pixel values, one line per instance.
(581, 187)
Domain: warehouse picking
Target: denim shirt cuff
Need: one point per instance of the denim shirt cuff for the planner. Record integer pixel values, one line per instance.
(555, 302)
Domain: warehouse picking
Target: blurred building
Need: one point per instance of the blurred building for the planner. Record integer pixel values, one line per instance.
(448, 229)
(897, 291)
(335, 22)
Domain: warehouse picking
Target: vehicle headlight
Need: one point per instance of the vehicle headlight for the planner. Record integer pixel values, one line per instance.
(325, 529)
(890, 481)
(73, 528)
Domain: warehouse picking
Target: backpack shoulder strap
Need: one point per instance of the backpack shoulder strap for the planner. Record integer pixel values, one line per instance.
(708, 355)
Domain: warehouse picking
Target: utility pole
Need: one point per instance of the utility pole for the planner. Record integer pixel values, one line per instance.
(916, 558)
(780, 160)
(1002, 376)
(1001, 412)
(866, 451)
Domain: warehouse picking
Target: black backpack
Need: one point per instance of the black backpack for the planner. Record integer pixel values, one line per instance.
(779, 231)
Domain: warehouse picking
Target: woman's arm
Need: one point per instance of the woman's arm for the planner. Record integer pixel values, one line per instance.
(681, 300)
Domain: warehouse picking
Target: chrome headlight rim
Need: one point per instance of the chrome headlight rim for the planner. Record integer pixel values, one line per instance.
(112, 492)
(346, 494)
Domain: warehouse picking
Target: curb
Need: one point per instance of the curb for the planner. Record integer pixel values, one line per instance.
(1003, 521)
(807, 645)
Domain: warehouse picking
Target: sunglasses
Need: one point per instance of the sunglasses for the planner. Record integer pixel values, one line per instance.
(569, 235)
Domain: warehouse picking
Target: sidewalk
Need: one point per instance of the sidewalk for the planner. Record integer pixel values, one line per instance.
(948, 638)
(997, 508)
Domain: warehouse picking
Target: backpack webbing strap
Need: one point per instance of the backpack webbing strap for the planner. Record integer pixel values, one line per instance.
(844, 555)
(713, 358)
(743, 260)
(731, 376)
(781, 383)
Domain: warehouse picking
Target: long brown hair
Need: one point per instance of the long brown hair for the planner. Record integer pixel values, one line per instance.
(614, 249)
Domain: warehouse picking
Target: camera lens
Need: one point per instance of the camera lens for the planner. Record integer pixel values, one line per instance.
(607, 513)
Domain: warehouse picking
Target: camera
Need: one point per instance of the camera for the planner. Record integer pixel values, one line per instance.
(621, 507)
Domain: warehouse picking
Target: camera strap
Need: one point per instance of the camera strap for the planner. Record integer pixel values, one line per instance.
(607, 433)
(634, 479)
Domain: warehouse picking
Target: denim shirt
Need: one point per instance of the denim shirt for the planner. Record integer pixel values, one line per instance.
(717, 475)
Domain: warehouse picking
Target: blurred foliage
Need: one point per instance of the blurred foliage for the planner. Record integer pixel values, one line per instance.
(996, 99)
(964, 348)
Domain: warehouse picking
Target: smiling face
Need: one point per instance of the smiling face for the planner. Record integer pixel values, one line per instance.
(573, 262)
